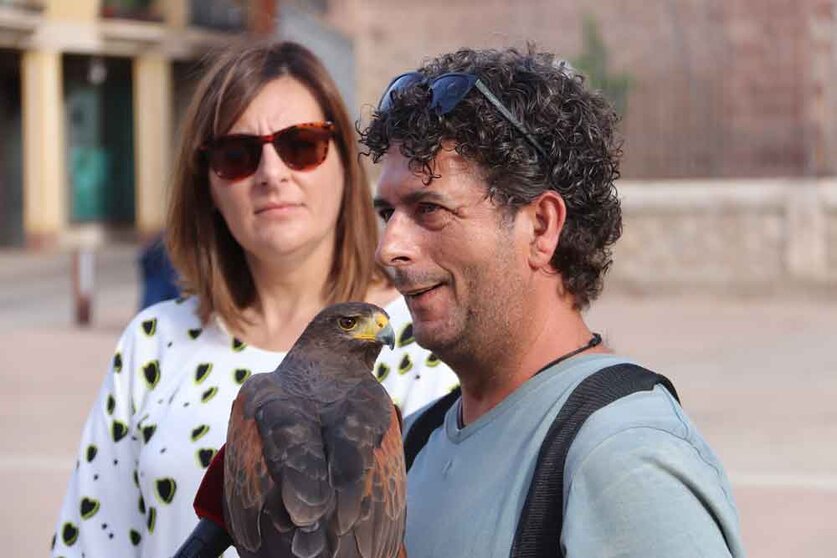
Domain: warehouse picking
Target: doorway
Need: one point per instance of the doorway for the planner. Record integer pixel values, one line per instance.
(11, 150)
(99, 112)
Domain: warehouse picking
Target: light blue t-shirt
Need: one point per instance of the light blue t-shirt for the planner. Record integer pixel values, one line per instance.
(639, 480)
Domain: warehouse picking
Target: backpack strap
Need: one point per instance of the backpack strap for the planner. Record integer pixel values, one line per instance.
(539, 528)
(426, 423)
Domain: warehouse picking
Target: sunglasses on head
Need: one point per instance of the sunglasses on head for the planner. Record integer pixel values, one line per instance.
(447, 90)
(301, 147)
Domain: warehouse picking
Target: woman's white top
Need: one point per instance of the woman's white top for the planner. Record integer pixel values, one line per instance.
(161, 415)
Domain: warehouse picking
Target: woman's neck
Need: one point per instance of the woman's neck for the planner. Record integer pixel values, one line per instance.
(289, 293)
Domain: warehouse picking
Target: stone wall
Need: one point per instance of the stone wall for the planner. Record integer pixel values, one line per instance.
(727, 235)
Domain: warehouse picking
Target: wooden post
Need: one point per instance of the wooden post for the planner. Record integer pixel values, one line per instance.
(84, 275)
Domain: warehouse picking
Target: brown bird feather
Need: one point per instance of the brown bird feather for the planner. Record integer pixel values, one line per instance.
(314, 466)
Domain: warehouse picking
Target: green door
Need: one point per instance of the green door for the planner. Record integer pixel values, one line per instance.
(100, 129)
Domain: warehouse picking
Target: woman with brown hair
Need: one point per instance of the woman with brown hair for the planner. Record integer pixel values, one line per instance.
(270, 219)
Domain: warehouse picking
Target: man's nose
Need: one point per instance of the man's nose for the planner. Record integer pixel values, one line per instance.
(398, 245)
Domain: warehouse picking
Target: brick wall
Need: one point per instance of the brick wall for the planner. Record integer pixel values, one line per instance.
(719, 88)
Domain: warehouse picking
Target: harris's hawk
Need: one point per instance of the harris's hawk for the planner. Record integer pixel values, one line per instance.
(313, 466)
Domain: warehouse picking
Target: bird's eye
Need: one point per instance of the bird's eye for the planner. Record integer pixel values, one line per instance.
(347, 323)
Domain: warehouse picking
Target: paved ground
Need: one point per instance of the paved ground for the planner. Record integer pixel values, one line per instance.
(759, 376)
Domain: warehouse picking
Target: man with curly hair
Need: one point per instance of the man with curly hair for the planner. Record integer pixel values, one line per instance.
(500, 210)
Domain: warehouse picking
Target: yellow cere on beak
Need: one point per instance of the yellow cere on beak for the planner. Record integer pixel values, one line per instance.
(386, 335)
(376, 328)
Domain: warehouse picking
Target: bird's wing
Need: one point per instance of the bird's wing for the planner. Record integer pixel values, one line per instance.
(362, 436)
(246, 479)
(275, 463)
(388, 493)
(297, 461)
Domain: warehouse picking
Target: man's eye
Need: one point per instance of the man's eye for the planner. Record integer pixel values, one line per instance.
(385, 213)
(425, 208)
(432, 215)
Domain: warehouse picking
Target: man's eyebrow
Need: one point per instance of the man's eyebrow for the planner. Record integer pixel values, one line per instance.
(412, 198)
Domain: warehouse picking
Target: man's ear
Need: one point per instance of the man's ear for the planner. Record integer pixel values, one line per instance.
(547, 214)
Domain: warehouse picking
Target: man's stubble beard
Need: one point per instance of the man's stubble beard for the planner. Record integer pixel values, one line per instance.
(487, 330)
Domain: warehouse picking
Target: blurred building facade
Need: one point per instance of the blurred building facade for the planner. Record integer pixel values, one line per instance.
(719, 90)
(715, 88)
(729, 120)
(91, 94)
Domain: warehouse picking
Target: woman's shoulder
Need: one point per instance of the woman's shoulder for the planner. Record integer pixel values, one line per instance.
(396, 308)
(166, 316)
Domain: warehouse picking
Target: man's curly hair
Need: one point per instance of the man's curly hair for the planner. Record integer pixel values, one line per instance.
(574, 125)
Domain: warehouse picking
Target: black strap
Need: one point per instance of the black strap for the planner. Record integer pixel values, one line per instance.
(539, 527)
(541, 520)
(425, 424)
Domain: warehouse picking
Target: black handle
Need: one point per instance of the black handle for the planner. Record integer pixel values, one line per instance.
(208, 540)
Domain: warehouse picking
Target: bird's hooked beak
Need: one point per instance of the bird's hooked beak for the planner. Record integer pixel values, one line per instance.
(377, 328)
(385, 335)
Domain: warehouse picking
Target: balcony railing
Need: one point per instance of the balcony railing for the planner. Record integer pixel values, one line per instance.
(219, 15)
(143, 10)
